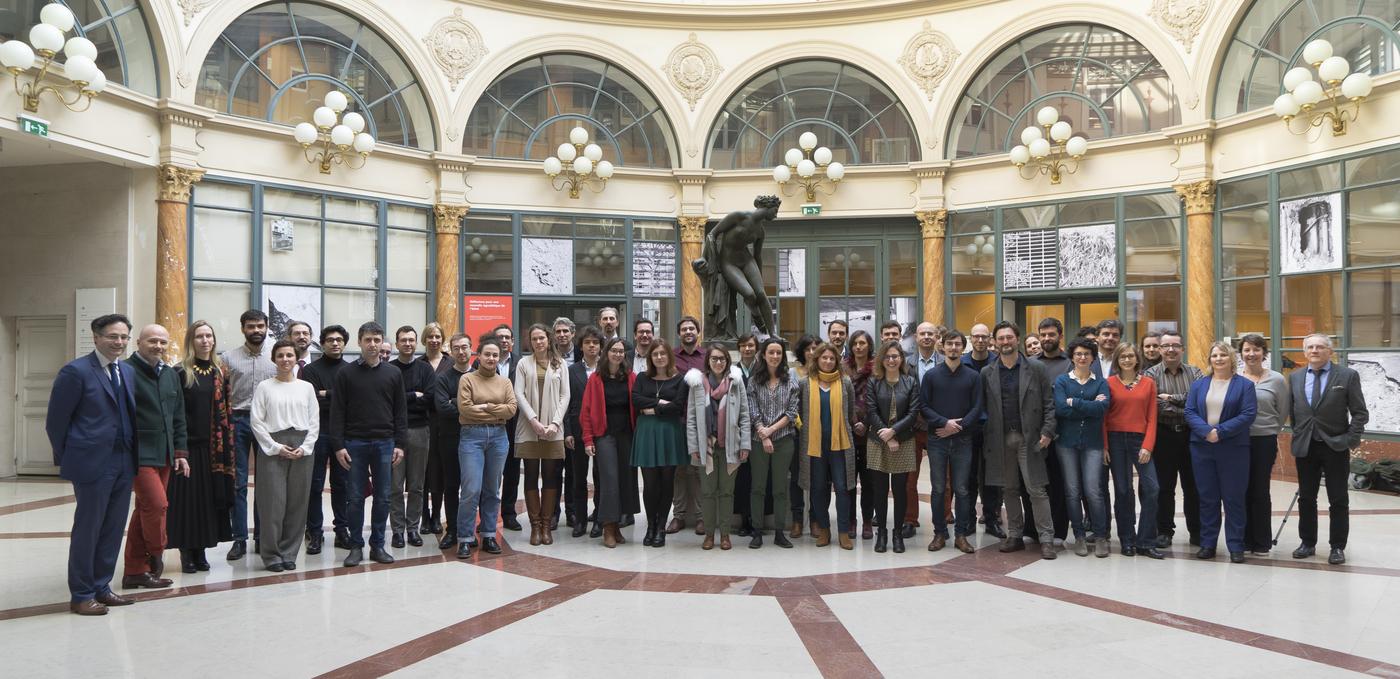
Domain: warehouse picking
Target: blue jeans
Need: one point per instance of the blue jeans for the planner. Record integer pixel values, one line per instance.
(481, 453)
(1083, 470)
(314, 517)
(1123, 450)
(827, 471)
(369, 459)
(957, 451)
(242, 442)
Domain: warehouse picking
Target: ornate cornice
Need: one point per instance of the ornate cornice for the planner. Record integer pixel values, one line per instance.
(173, 182)
(448, 218)
(692, 68)
(1182, 19)
(693, 229)
(927, 58)
(1198, 197)
(456, 46)
(182, 115)
(930, 170)
(933, 223)
(693, 177)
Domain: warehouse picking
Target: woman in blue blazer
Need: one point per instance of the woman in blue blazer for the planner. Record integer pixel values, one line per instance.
(1220, 409)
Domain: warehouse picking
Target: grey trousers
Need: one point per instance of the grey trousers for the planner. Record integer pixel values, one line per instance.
(408, 476)
(1040, 500)
(686, 505)
(284, 489)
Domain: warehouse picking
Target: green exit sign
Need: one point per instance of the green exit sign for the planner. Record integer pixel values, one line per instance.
(35, 126)
(811, 208)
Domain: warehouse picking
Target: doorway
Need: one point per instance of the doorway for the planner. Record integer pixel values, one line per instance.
(582, 313)
(42, 351)
(1074, 312)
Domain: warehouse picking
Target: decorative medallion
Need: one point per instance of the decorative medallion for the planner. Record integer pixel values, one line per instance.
(193, 7)
(693, 68)
(928, 57)
(1181, 18)
(183, 77)
(456, 46)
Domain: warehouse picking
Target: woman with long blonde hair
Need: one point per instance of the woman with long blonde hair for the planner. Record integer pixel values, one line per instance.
(542, 395)
(201, 504)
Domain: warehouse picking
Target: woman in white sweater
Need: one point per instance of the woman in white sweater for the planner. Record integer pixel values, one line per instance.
(286, 422)
(542, 395)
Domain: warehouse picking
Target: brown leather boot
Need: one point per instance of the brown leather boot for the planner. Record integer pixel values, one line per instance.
(617, 535)
(609, 535)
(548, 498)
(724, 541)
(795, 529)
(938, 542)
(823, 536)
(963, 545)
(708, 542)
(532, 507)
(845, 539)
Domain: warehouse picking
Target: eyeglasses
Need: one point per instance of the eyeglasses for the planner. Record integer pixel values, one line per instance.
(718, 359)
(1165, 347)
(892, 357)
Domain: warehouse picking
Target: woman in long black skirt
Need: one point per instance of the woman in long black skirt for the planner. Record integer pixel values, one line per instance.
(201, 504)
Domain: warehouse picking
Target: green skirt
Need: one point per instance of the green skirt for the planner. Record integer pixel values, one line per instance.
(658, 442)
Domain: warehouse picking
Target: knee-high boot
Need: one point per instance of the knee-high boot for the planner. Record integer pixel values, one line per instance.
(532, 507)
(548, 497)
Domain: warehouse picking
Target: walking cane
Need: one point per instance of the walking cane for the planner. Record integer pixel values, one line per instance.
(1285, 517)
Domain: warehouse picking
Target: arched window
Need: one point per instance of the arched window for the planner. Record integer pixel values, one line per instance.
(850, 110)
(528, 111)
(1105, 83)
(1271, 36)
(125, 52)
(278, 61)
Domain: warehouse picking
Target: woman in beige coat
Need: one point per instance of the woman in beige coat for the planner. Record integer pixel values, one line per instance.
(718, 436)
(542, 395)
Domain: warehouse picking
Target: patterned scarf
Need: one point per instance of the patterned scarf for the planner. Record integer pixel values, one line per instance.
(717, 405)
(840, 438)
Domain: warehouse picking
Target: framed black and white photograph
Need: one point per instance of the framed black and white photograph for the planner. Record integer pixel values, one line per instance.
(1088, 257)
(1380, 383)
(546, 266)
(1028, 260)
(792, 272)
(1310, 234)
(654, 269)
(286, 303)
(283, 235)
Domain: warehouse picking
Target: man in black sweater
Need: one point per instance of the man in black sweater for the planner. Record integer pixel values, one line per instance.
(369, 431)
(408, 477)
(321, 374)
(449, 431)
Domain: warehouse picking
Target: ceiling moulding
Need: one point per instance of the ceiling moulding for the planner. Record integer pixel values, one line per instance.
(771, 14)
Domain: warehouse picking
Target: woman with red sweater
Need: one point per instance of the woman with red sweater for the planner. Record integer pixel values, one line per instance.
(1131, 429)
(607, 419)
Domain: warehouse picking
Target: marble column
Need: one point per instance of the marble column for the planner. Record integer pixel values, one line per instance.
(1199, 200)
(692, 238)
(172, 245)
(933, 224)
(448, 222)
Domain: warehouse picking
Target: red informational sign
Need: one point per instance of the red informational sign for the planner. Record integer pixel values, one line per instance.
(482, 313)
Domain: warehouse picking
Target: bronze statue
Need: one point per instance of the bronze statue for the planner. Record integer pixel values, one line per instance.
(729, 270)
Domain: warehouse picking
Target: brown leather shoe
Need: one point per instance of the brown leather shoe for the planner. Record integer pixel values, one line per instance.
(88, 607)
(674, 526)
(823, 536)
(114, 599)
(1047, 550)
(724, 542)
(795, 529)
(845, 539)
(608, 540)
(1012, 544)
(963, 545)
(938, 542)
(709, 542)
(144, 580)
(617, 535)
(699, 526)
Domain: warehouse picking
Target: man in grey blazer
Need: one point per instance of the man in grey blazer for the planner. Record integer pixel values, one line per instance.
(1329, 415)
(1019, 429)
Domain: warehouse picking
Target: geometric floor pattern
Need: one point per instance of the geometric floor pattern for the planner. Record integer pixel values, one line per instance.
(575, 609)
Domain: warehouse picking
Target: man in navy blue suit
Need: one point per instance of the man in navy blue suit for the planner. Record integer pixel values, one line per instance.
(92, 427)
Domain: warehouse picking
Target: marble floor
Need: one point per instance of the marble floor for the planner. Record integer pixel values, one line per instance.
(576, 609)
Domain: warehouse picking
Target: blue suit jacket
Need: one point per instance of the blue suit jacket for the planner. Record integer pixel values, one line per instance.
(83, 422)
(1241, 405)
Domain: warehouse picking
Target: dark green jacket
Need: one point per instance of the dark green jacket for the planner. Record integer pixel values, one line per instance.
(160, 414)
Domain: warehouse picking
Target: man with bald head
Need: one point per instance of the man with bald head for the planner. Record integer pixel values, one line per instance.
(160, 446)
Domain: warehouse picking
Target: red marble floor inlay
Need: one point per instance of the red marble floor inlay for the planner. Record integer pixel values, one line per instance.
(1315, 563)
(830, 644)
(37, 504)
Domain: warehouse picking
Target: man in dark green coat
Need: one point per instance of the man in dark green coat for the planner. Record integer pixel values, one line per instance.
(161, 445)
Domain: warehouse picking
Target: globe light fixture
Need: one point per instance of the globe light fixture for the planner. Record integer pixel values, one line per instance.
(1335, 97)
(1052, 148)
(30, 63)
(812, 166)
(578, 163)
(339, 135)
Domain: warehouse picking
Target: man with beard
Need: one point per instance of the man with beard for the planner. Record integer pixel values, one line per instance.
(1109, 334)
(1020, 428)
(686, 503)
(510, 474)
(408, 477)
(247, 365)
(643, 331)
(1052, 356)
(1172, 454)
(1151, 349)
(321, 374)
(836, 333)
(299, 333)
(608, 322)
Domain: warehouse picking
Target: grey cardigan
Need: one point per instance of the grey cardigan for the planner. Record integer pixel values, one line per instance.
(738, 431)
(1274, 404)
(804, 476)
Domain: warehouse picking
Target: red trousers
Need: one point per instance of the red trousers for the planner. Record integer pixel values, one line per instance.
(145, 533)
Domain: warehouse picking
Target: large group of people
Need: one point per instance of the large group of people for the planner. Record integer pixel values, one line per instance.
(721, 437)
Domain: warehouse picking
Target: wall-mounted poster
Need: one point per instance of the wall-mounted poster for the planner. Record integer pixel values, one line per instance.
(653, 269)
(546, 266)
(1380, 383)
(283, 235)
(1028, 259)
(792, 272)
(482, 313)
(1310, 233)
(1088, 257)
(286, 303)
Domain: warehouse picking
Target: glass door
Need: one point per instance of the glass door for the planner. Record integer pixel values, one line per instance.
(846, 287)
(1074, 312)
(785, 283)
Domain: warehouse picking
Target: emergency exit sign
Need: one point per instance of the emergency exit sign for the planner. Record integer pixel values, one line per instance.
(35, 126)
(811, 208)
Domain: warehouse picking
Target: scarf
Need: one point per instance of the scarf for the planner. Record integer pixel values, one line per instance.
(840, 439)
(717, 405)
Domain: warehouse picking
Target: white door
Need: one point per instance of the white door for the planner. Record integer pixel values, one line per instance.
(42, 350)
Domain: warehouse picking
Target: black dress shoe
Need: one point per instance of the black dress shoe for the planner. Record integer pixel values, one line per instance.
(314, 542)
(1236, 557)
(1304, 551)
(276, 567)
(431, 526)
(449, 540)
(289, 565)
(596, 531)
(580, 529)
(1337, 557)
(554, 522)
(354, 557)
(780, 539)
(113, 599)
(464, 550)
(187, 562)
(415, 539)
(755, 539)
(237, 550)
(1205, 553)
(629, 519)
(1152, 553)
(882, 541)
(145, 580)
(744, 531)
(570, 519)
(650, 537)
(907, 530)
(660, 539)
(201, 561)
(994, 529)
(342, 538)
(397, 541)
(510, 522)
(1164, 541)
(897, 541)
(489, 546)
(1128, 550)
(378, 555)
